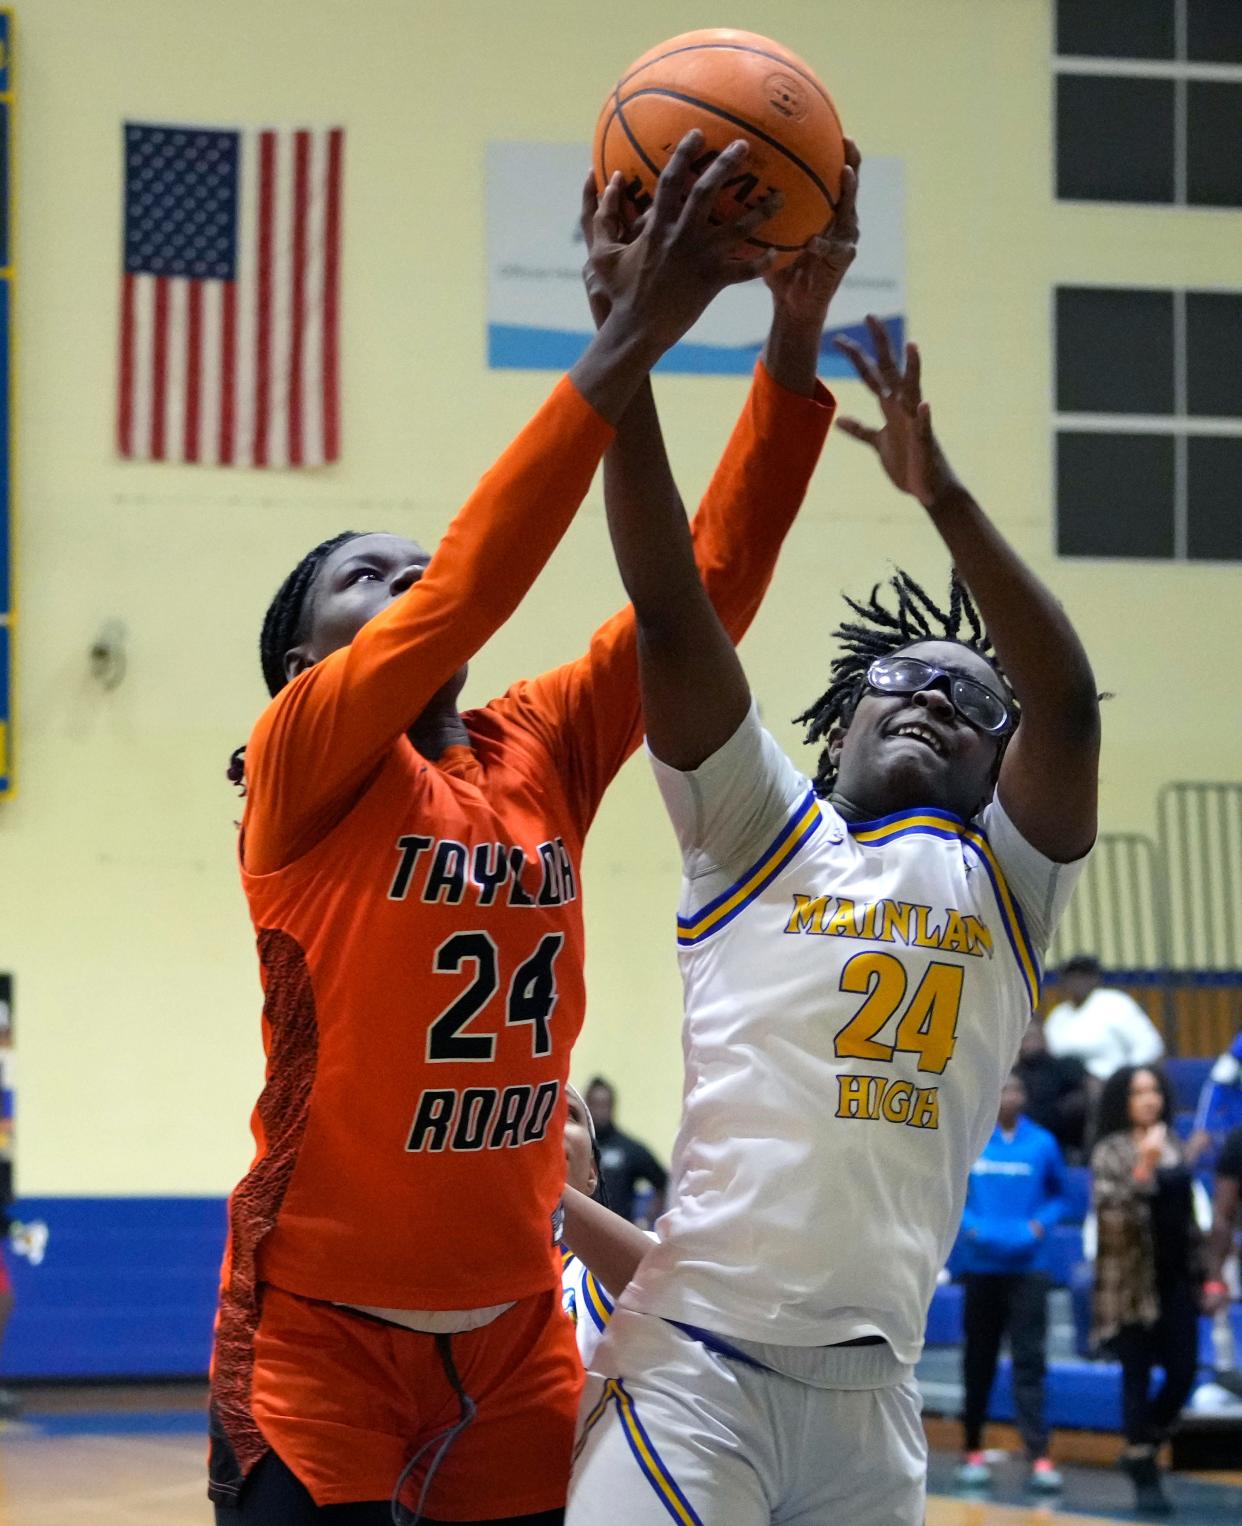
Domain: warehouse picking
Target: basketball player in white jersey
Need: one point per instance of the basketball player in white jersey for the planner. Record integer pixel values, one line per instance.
(600, 1250)
(860, 955)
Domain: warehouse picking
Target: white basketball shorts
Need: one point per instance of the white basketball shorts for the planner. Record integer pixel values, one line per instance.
(671, 1430)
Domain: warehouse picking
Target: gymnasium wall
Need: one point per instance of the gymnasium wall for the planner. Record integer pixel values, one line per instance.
(137, 1002)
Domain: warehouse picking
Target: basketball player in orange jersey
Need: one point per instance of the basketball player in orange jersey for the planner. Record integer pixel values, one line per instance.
(390, 1317)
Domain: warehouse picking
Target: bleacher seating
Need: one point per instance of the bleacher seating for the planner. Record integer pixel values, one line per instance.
(1186, 1077)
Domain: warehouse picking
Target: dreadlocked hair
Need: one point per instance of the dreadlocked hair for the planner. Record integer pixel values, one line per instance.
(282, 629)
(879, 631)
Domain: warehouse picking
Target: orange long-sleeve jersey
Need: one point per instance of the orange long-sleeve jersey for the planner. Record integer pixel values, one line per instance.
(422, 955)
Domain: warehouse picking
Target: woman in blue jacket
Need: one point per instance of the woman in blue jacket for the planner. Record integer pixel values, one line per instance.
(1015, 1196)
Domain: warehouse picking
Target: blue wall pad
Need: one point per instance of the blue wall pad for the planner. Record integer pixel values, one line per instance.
(126, 1289)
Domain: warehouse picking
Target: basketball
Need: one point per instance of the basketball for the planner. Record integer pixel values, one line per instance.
(729, 84)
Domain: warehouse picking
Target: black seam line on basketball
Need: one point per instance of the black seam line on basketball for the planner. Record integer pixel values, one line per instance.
(619, 116)
(747, 127)
(763, 243)
(738, 47)
(601, 178)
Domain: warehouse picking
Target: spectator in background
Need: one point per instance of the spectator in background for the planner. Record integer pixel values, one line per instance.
(1056, 1090)
(624, 1161)
(1226, 1207)
(1104, 1028)
(1015, 1195)
(1147, 1267)
(1220, 1102)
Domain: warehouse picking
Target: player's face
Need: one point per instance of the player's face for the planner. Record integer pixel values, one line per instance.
(1079, 984)
(1012, 1100)
(905, 750)
(600, 1100)
(1146, 1099)
(579, 1157)
(357, 581)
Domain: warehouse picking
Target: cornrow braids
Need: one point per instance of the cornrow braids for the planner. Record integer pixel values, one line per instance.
(282, 625)
(879, 631)
(282, 628)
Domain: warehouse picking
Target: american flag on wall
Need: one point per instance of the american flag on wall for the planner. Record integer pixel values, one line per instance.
(230, 296)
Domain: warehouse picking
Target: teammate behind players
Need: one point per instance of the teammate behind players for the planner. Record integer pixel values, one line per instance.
(600, 1249)
(860, 958)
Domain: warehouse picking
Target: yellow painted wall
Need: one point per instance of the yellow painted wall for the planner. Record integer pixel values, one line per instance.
(137, 1006)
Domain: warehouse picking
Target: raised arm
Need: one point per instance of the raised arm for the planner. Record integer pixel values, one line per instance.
(693, 688)
(329, 729)
(609, 1246)
(589, 711)
(1049, 775)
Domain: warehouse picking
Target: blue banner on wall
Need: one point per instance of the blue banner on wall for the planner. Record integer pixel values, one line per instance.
(537, 316)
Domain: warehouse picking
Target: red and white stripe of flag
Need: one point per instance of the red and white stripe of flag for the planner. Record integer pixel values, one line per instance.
(246, 372)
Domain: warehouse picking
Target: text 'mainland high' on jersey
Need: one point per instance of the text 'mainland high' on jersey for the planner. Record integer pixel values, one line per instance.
(855, 994)
(422, 954)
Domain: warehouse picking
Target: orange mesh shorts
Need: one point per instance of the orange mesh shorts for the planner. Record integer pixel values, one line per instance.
(345, 1401)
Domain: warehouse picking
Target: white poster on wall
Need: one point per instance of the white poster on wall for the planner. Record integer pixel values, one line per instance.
(537, 315)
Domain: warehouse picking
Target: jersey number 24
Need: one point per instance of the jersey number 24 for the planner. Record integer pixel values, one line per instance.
(531, 997)
(928, 1026)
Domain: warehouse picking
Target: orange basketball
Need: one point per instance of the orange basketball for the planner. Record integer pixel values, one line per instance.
(729, 85)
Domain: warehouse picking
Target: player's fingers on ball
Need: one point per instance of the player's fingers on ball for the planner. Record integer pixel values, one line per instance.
(590, 204)
(671, 184)
(607, 222)
(845, 221)
(708, 186)
(863, 364)
(755, 217)
(852, 157)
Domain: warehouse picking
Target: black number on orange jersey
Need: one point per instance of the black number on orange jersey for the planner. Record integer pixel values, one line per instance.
(445, 1039)
(532, 997)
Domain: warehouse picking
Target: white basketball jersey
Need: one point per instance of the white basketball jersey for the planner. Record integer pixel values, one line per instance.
(854, 998)
(586, 1301)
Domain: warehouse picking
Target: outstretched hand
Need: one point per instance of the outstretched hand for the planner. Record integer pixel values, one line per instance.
(805, 288)
(597, 296)
(908, 449)
(665, 269)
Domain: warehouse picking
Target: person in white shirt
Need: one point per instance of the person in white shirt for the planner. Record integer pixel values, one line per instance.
(859, 959)
(1103, 1027)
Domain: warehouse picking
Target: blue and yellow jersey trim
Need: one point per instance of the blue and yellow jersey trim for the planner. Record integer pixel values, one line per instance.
(598, 1304)
(948, 827)
(645, 1453)
(797, 831)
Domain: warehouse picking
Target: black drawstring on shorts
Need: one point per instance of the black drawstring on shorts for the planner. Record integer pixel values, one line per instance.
(442, 1440)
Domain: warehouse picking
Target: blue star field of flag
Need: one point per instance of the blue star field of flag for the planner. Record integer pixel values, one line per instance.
(181, 200)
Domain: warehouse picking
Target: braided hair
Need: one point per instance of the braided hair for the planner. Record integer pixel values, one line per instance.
(879, 631)
(283, 627)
